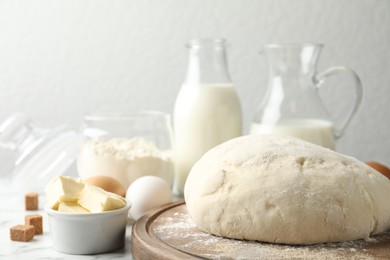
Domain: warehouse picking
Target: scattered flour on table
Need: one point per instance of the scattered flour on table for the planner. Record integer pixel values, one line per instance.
(179, 231)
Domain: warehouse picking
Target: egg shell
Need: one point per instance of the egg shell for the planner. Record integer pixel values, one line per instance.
(107, 183)
(146, 193)
(380, 168)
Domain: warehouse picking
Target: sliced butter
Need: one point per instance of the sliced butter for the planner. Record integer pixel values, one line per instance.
(96, 199)
(71, 208)
(63, 189)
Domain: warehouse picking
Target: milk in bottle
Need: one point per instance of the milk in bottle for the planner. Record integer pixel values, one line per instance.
(207, 110)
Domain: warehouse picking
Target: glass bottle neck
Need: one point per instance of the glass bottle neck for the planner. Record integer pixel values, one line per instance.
(207, 62)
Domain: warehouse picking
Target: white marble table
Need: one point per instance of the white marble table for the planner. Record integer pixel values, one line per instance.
(12, 213)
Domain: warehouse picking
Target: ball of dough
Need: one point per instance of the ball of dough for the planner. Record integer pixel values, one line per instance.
(284, 190)
(146, 193)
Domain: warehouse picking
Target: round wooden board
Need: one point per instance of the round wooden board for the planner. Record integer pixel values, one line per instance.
(169, 233)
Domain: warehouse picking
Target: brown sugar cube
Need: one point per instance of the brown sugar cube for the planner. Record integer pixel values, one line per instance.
(22, 233)
(36, 221)
(31, 201)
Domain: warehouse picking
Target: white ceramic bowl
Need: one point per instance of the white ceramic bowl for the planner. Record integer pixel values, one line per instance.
(91, 233)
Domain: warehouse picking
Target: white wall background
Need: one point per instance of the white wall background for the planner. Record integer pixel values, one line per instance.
(62, 59)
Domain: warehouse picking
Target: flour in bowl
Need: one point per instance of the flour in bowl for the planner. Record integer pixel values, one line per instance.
(124, 159)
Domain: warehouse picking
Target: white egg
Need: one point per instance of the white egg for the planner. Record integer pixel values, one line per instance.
(146, 193)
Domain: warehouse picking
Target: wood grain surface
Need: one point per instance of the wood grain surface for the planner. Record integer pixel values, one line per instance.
(169, 233)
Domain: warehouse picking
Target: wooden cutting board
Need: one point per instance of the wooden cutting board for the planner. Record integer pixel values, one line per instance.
(169, 233)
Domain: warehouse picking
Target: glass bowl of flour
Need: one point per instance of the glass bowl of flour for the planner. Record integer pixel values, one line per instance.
(127, 147)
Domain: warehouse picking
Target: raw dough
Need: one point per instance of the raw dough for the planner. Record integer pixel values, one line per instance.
(284, 190)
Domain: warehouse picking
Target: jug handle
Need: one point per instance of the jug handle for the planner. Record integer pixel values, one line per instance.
(320, 79)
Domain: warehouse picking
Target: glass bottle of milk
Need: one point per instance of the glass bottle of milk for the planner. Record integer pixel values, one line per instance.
(207, 110)
(292, 105)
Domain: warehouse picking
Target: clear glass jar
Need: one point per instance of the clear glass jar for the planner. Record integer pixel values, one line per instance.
(207, 110)
(127, 147)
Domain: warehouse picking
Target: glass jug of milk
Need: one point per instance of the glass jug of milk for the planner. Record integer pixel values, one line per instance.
(292, 105)
(207, 110)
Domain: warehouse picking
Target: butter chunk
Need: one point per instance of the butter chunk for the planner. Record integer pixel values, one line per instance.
(63, 189)
(71, 208)
(96, 199)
